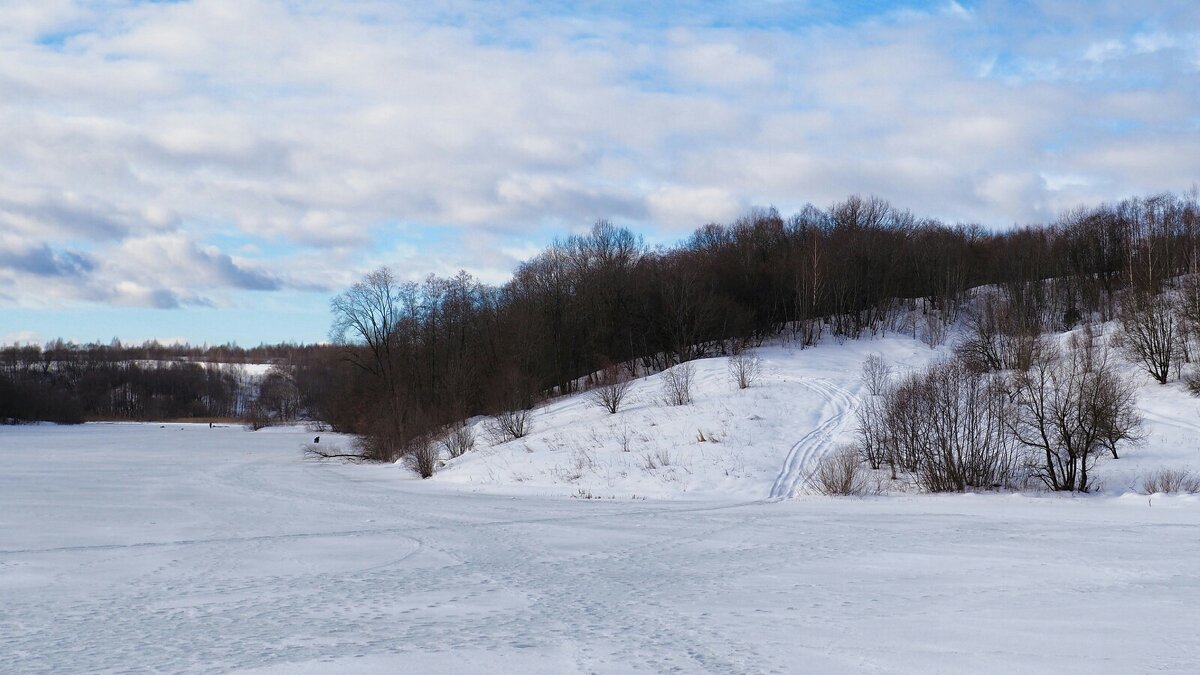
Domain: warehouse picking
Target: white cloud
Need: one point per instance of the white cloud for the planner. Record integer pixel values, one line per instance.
(21, 337)
(680, 207)
(1057, 182)
(190, 151)
(1148, 43)
(1099, 52)
(718, 64)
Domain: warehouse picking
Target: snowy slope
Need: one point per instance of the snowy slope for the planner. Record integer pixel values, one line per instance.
(1172, 436)
(760, 442)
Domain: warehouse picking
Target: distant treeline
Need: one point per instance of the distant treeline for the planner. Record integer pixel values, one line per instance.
(70, 383)
(429, 355)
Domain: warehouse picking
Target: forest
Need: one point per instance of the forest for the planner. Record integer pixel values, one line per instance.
(70, 383)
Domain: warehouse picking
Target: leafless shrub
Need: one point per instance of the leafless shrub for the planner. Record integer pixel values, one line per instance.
(840, 473)
(509, 425)
(422, 457)
(625, 437)
(946, 426)
(459, 440)
(612, 389)
(1168, 481)
(656, 460)
(876, 374)
(1191, 380)
(744, 368)
(648, 464)
(581, 463)
(677, 384)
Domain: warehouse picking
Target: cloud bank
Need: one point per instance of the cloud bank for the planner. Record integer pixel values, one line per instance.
(203, 153)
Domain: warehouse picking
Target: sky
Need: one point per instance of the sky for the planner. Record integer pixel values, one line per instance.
(217, 170)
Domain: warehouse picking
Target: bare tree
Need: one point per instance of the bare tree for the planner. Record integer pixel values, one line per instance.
(995, 336)
(744, 368)
(369, 312)
(1187, 307)
(1150, 332)
(876, 444)
(980, 346)
(677, 384)
(366, 317)
(278, 394)
(612, 389)
(1069, 408)
(876, 374)
(1116, 407)
(256, 416)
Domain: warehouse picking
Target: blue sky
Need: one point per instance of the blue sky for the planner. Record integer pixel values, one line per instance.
(215, 170)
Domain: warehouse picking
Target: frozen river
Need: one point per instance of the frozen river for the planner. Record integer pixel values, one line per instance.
(140, 547)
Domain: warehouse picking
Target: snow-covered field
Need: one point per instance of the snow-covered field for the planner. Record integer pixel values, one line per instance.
(144, 547)
(180, 548)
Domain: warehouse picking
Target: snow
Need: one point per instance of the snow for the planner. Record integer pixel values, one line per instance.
(762, 441)
(758, 442)
(179, 548)
(254, 370)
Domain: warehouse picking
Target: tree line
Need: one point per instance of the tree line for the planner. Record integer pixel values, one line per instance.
(417, 359)
(70, 383)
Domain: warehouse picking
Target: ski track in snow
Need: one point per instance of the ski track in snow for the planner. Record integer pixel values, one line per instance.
(1188, 422)
(803, 455)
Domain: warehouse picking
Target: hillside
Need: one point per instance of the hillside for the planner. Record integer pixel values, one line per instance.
(760, 442)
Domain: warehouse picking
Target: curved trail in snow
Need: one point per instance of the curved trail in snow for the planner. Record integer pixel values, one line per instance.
(1186, 422)
(816, 443)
